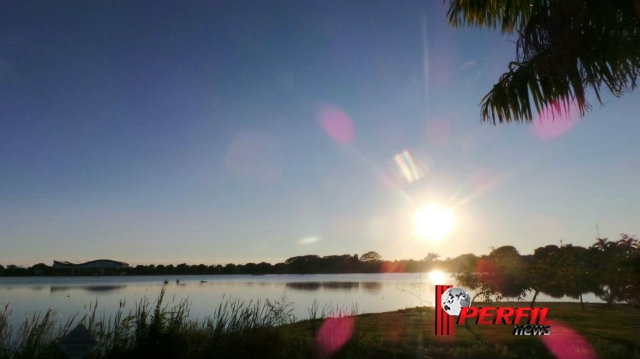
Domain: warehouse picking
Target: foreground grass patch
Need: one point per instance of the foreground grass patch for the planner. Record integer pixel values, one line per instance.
(268, 330)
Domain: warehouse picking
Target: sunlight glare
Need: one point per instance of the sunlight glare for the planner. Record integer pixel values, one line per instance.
(432, 222)
(436, 277)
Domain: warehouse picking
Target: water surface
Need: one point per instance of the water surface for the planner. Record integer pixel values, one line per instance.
(371, 293)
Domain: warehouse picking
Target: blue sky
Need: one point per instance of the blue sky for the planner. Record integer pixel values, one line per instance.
(247, 131)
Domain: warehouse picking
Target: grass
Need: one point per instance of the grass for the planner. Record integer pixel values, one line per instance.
(267, 329)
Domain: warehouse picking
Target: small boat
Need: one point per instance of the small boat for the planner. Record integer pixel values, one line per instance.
(203, 281)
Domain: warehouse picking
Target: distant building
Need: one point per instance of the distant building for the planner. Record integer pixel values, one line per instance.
(99, 266)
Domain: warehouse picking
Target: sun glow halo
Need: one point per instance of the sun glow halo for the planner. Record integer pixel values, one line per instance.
(432, 222)
(437, 277)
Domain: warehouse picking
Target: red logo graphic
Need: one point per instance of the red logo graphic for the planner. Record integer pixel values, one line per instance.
(444, 322)
(536, 325)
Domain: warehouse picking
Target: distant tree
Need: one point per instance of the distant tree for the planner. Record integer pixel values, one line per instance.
(170, 269)
(201, 269)
(160, 269)
(431, 257)
(304, 264)
(264, 268)
(627, 244)
(229, 269)
(281, 268)
(412, 266)
(40, 269)
(249, 268)
(603, 244)
(371, 257)
(182, 268)
(460, 263)
(14, 270)
(338, 264)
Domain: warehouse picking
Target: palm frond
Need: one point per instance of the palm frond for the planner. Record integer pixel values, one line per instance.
(504, 14)
(564, 49)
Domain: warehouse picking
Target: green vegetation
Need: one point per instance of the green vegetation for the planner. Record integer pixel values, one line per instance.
(564, 48)
(268, 330)
(610, 270)
(370, 262)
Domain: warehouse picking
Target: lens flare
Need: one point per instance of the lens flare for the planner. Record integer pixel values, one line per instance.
(309, 240)
(334, 334)
(550, 125)
(565, 343)
(336, 124)
(433, 222)
(407, 166)
(437, 277)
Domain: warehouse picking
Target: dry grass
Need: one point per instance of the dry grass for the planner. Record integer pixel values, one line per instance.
(268, 330)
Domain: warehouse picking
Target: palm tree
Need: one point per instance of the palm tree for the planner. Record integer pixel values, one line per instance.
(627, 243)
(564, 48)
(602, 244)
(431, 257)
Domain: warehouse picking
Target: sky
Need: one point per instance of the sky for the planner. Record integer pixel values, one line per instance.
(159, 132)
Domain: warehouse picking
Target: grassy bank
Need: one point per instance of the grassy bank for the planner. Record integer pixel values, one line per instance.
(268, 330)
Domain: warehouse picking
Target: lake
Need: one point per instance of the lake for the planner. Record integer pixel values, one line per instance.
(371, 293)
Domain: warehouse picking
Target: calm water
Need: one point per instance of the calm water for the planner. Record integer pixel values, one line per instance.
(371, 292)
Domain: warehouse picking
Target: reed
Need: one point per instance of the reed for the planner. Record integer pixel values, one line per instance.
(268, 329)
(151, 329)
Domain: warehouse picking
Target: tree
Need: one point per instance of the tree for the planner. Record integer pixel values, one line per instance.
(541, 270)
(504, 270)
(468, 278)
(564, 48)
(501, 274)
(371, 257)
(603, 244)
(304, 264)
(631, 266)
(431, 257)
(577, 275)
(617, 266)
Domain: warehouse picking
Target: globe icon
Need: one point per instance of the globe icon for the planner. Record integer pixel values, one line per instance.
(454, 299)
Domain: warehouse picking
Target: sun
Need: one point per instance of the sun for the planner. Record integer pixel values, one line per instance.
(437, 277)
(432, 222)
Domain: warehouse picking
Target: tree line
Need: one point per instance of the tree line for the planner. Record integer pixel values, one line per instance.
(370, 262)
(608, 269)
